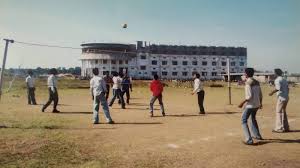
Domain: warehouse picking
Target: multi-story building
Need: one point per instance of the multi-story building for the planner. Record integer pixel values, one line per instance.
(168, 61)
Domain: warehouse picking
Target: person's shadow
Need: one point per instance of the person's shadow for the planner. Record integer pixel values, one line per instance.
(267, 141)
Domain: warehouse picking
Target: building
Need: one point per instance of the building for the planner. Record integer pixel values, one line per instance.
(143, 60)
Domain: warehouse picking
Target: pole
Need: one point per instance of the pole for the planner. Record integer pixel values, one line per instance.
(229, 81)
(7, 41)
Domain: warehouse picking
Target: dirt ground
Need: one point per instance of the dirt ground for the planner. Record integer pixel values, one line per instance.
(30, 138)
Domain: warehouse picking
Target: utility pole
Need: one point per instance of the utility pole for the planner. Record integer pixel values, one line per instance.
(229, 81)
(7, 41)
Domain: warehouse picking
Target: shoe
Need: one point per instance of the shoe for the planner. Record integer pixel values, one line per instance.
(277, 131)
(111, 122)
(96, 122)
(202, 113)
(55, 111)
(249, 143)
(258, 138)
(123, 108)
(151, 114)
(34, 104)
(163, 114)
(110, 105)
(43, 109)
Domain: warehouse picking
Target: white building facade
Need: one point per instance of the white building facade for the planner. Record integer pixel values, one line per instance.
(142, 61)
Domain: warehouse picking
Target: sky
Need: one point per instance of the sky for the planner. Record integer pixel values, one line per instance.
(270, 29)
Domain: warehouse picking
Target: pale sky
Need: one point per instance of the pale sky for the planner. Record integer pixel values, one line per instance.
(270, 29)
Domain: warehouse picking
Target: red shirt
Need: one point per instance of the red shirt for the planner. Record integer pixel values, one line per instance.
(156, 87)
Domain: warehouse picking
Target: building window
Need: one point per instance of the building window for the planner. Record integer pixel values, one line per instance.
(154, 62)
(204, 63)
(195, 63)
(204, 73)
(174, 62)
(143, 67)
(174, 73)
(104, 61)
(224, 63)
(164, 73)
(153, 68)
(120, 62)
(214, 74)
(214, 63)
(113, 61)
(184, 62)
(104, 67)
(126, 62)
(232, 64)
(96, 61)
(184, 73)
(164, 62)
(242, 64)
(143, 57)
(154, 73)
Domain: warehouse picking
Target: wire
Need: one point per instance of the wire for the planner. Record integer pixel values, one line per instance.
(65, 47)
(45, 45)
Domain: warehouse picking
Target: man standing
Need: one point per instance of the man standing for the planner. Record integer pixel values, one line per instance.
(30, 88)
(98, 90)
(282, 91)
(117, 80)
(126, 85)
(156, 88)
(108, 81)
(198, 88)
(52, 88)
(251, 104)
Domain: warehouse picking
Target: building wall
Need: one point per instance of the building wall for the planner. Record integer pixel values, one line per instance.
(160, 59)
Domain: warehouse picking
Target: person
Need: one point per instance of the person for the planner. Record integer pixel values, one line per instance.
(52, 88)
(251, 104)
(98, 90)
(117, 90)
(108, 81)
(125, 86)
(282, 91)
(198, 88)
(156, 88)
(30, 88)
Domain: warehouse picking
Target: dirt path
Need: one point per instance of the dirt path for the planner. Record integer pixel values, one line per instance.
(181, 139)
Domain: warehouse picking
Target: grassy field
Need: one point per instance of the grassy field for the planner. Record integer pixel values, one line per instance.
(30, 138)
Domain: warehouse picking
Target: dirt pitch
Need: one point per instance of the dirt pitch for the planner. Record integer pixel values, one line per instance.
(30, 138)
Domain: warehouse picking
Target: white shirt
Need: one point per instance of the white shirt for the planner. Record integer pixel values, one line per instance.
(283, 88)
(97, 85)
(198, 85)
(117, 82)
(30, 81)
(52, 81)
(252, 93)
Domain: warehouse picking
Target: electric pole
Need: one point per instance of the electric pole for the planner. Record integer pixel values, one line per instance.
(7, 41)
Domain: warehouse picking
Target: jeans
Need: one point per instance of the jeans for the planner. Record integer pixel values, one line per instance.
(117, 93)
(31, 95)
(201, 100)
(152, 101)
(53, 96)
(282, 123)
(107, 93)
(254, 127)
(127, 92)
(100, 99)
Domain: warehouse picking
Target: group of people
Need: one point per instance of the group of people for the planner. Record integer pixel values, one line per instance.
(253, 101)
(122, 85)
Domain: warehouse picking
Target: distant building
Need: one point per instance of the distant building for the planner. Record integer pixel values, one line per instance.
(143, 60)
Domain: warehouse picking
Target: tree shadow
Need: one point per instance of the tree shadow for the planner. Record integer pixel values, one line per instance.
(64, 112)
(218, 113)
(137, 123)
(291, 131)
(182, 115)
(141, 104)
